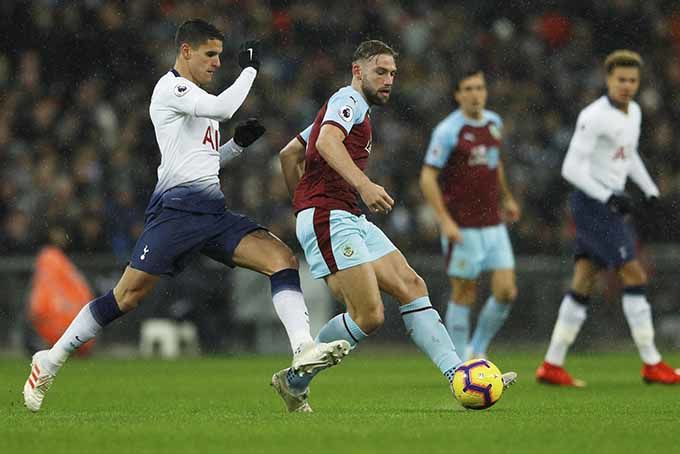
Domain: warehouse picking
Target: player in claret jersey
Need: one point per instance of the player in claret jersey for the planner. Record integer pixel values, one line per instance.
(602, 155)
(324, 167)
(187, 216)
(464, 182)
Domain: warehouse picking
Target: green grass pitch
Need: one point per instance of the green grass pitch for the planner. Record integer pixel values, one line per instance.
(372, 403)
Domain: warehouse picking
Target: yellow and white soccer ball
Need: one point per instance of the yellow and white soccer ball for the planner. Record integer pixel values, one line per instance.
(477, 384)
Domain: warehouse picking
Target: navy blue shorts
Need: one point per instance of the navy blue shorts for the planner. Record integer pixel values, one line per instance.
(607, 238)
(173, 238)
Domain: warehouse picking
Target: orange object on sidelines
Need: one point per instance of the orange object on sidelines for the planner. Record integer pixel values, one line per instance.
(59, 291)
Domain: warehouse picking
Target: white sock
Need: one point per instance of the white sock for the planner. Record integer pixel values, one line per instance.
(292, 311)
(569, 321)
(639, 316)
(83, 328)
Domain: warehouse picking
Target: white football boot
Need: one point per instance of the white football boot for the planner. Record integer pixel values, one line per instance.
(295, 403)
(509, 379)
(312, 357)
(38, 382)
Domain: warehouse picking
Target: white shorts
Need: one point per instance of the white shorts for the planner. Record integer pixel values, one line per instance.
(336, 240)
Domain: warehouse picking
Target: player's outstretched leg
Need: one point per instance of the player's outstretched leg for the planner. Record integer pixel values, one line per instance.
(46, 363)
(95, 315)
(39, 381)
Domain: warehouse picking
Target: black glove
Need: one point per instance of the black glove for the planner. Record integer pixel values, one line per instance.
(249, 54)
(248, 131)
(620, 203)
(652, 205)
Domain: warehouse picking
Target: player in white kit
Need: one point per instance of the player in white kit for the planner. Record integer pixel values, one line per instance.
(186, 215)
(602, 155)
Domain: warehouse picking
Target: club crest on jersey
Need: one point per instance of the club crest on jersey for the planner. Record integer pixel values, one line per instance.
(347, 251)
(181, 89)
(346, 113)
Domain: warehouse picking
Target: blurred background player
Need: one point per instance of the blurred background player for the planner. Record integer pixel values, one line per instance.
(603, 153)
(186, 215)
(463, 180)
(353, 255)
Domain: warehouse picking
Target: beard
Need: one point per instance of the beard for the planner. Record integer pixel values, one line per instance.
(372, 96)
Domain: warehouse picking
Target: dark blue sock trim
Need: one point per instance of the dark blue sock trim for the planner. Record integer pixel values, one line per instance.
(105, 309)
(288, 279)
(579, 298)
(636, 290)
(348, 330)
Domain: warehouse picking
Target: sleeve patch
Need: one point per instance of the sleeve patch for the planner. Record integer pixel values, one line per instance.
(346, 113)
(181, 89)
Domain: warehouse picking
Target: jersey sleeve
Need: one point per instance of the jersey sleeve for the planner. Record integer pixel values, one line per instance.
(444, 139)
(576, 166)
(303, 136)
(344, 111)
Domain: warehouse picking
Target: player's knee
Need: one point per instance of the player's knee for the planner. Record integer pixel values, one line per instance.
(506, 294)
(464, 294)
(636, 276)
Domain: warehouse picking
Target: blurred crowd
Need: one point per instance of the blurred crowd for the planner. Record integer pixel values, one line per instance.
(78, 150)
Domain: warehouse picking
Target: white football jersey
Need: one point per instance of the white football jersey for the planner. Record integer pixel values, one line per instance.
(603, 152)
(188, 144)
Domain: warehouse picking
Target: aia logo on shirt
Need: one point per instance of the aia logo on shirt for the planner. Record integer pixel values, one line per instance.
(212, 138)
(620, 154)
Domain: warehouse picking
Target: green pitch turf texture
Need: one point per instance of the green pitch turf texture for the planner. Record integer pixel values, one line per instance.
(372, 403)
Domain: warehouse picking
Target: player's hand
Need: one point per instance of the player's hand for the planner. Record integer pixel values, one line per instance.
(620, 203)
(375, 197)
(249, 54)
(511, 210)
(652, 207)
(247, 132)
(451, 231)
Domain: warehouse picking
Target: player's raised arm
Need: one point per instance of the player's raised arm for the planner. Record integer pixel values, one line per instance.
(292, 158)
(576, 167)
(332, 150)
(223, 106)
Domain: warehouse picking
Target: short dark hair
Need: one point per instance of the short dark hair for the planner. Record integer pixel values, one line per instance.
(459, 77)
(622, 58)
(196, 32)
(371, 48)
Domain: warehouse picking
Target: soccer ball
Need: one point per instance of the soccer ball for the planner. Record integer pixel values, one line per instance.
(477, 384)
